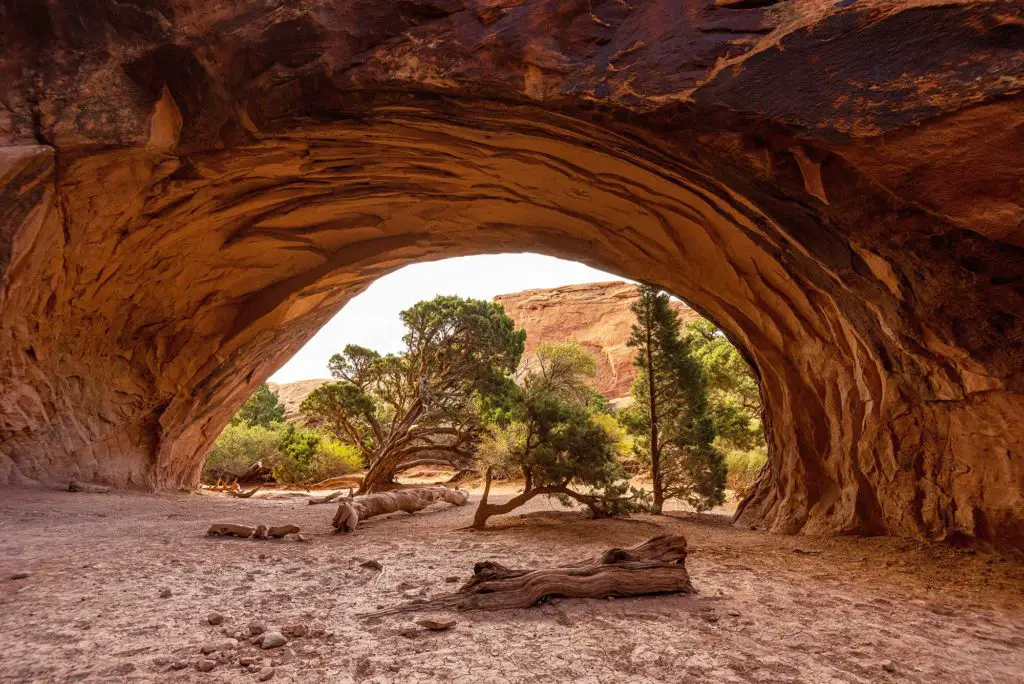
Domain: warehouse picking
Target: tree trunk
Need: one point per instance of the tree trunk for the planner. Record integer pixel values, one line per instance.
(656, 484)
(486, 510)
(657, 566)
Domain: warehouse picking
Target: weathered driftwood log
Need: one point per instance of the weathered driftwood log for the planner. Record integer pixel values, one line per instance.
(658, 566)
(243, 493)
(247, 531)
(351, 511)
(332, 482)
(327, 498)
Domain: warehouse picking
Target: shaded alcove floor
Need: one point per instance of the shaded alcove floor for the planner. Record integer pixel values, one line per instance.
(770, 608)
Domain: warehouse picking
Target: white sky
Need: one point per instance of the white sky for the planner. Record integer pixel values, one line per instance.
(371, 319)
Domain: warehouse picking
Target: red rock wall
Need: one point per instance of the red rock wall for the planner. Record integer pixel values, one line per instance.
(189, 190)
(595, 315)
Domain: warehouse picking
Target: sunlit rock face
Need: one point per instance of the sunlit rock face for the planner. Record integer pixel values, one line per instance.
(597, 316)
(190, 190)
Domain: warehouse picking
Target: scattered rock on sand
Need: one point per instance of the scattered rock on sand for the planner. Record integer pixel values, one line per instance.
(165, 593)
(219, 645)
(409, 632)
(257, 626)
(214, 618)
(452, 579)
(295, 631)
(889, 666)
(21, 575)
(302, 538)
(178, 665)
(372, 565)
(437, 624)
(245, 661)
(265, 674)
(273, 640)
(205, 664)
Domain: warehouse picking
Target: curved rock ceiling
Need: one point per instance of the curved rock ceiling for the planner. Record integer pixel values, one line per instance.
(190, 190)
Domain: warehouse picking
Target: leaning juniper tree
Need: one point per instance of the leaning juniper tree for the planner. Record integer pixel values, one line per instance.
(425, 401)
(546, 433)
(670, 419)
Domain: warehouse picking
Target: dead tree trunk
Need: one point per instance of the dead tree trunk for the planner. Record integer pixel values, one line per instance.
(350, 512)
(658, 566)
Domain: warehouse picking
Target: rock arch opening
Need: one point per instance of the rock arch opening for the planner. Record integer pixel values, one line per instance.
(161, 259)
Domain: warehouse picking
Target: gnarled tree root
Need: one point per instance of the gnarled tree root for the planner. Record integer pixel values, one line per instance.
(658, 566)
(246, 531)
(351, 511)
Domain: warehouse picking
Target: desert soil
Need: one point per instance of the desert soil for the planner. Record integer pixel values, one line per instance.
(119, 586)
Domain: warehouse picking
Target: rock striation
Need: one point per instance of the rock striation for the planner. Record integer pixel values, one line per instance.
(188, 191)
(595, 315)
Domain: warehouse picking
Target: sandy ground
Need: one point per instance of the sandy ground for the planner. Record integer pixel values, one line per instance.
(770, 608)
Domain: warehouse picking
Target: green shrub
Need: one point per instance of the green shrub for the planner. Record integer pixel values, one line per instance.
(743, 468)
(238, 447)
(308, 456)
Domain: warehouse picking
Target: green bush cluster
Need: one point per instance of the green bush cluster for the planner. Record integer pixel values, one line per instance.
(743, 468)
(297, 455)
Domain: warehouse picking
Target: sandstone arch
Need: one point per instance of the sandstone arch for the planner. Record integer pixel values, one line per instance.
(189, 192)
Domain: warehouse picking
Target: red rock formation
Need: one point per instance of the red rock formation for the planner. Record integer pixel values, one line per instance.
(595, 315)
(291, 394)
(189, 190)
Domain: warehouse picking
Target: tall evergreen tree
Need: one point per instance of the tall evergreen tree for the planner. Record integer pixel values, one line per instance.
(670, 417)
(262, 408)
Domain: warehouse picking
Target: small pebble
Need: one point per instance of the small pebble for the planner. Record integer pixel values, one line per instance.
(889, 666)
(265, 674)
(21, 575)
(165, 593)
(245, 661)
(452, 579)
(205, 665)
(257, 627)
(273, 640)
(178, 665)
(372, 565)
(295, 631)
(215, 618)
(409, 632)
(302, 538)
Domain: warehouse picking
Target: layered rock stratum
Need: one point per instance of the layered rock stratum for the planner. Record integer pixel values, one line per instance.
(188, 191)
(595, 315)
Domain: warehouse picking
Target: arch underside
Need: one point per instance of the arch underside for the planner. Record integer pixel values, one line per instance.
(149, 286)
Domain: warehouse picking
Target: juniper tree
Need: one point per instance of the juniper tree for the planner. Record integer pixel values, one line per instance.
(425, 400)
(263, 408)
(548, 434)
(670, 419)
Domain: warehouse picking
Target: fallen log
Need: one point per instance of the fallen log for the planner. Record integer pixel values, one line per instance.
(247, 531)
(327, 498)
(332, 482)
(352, 510)
(240, 493)
(658, 566)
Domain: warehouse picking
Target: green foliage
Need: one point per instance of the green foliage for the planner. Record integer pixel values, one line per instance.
(744, 467)
(307, 456)
(296, 454)
(262, 408)
(670, 419)
(735, 399)
(432, 397)
(554, 440)
(238, 447)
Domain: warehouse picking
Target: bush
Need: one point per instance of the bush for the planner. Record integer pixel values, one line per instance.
(743, 468)
(238, 447)
(307, 456)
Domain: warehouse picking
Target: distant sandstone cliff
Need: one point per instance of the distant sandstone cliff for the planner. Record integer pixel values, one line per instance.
(291, 394)
(596, 315)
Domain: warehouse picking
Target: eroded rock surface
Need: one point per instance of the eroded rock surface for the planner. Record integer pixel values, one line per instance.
(595, 315)
(190, 190)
